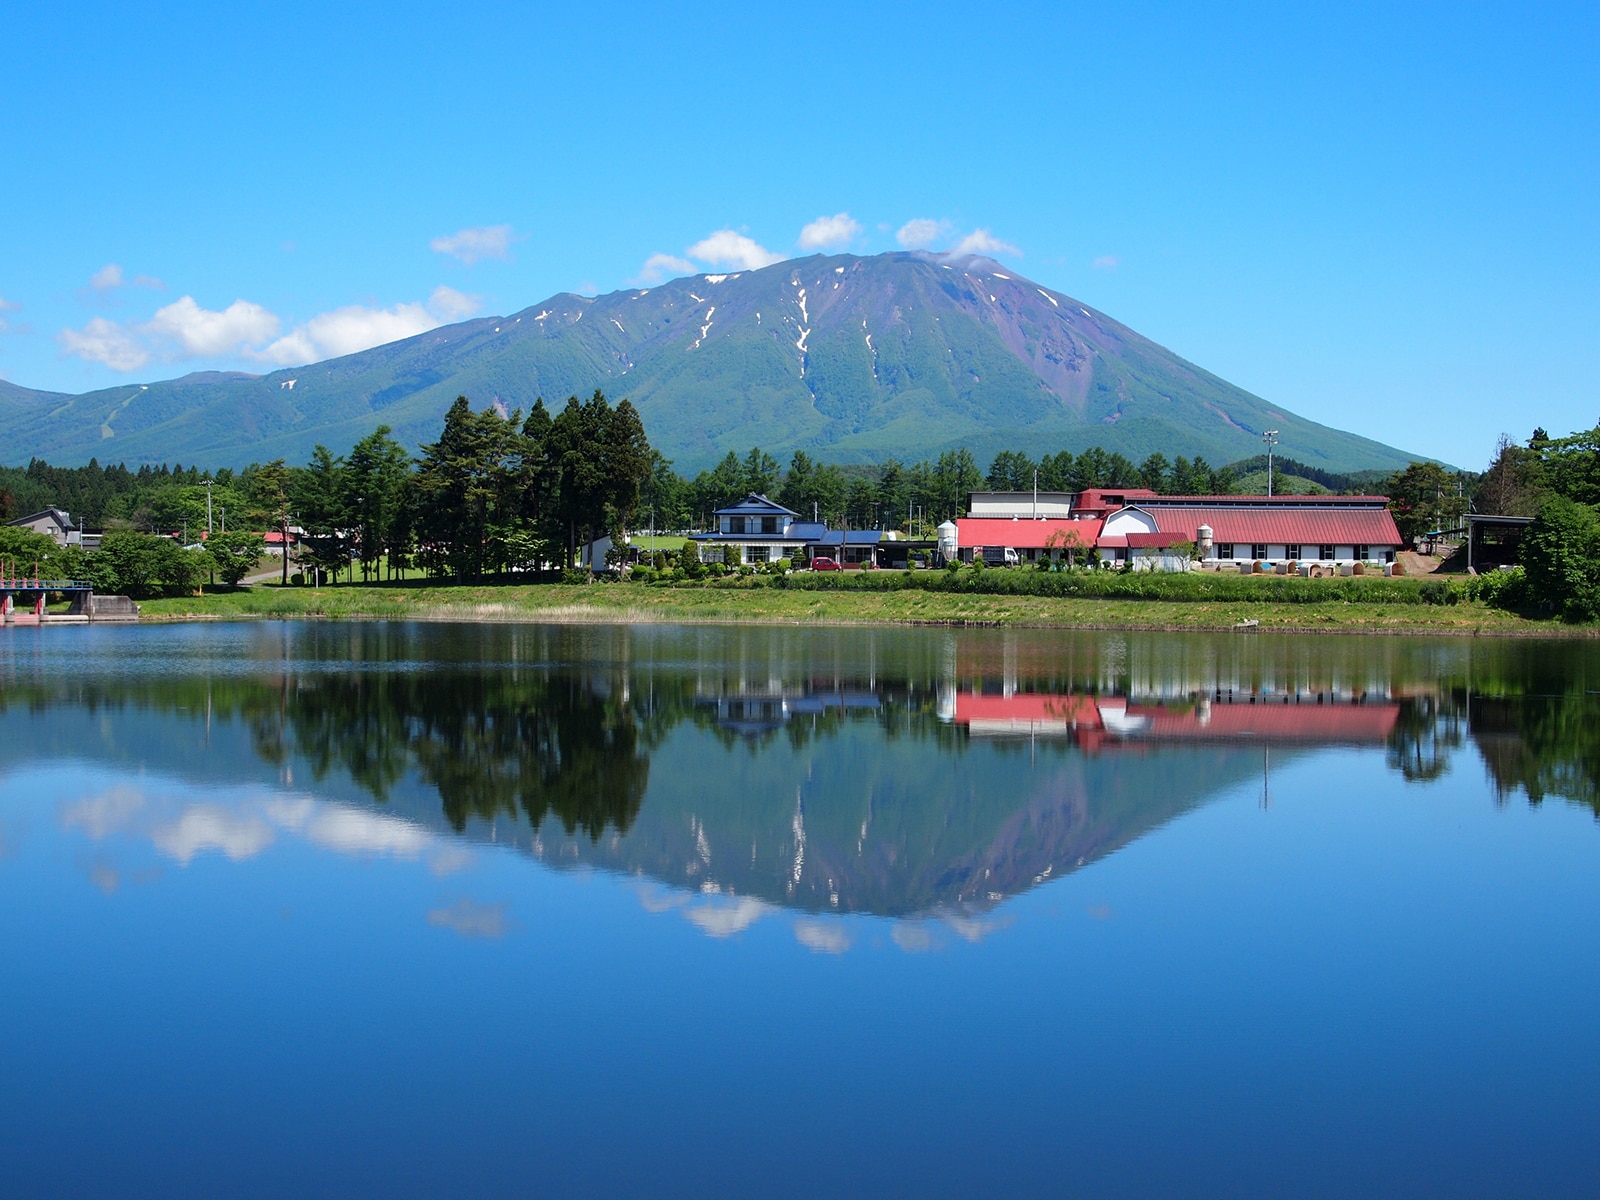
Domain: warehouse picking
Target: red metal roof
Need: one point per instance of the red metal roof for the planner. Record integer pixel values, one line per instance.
(1219, 501)
(1152, 541)
(1279, 718)
(1100, 499)
(1297, 523)
(1023, 533)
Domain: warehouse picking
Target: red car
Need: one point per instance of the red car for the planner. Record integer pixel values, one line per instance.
(824, 564)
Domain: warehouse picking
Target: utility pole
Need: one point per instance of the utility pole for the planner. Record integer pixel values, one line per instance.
(207, 482)
(1270, 437)
(1036, 493)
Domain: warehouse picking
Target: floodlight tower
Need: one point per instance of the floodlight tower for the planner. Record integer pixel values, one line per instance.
(1270, 437)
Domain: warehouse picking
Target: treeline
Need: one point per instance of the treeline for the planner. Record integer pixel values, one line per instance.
(496, 493)
(1557, 481)
(892, 494)
(112, 497)
(1340, 483)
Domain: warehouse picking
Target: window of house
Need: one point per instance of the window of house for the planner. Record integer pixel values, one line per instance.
(1258, 550)
(1292, 550)
(755, 554)
(1363, 553)
(769, 524)
(1224, 550)
(1324, 552)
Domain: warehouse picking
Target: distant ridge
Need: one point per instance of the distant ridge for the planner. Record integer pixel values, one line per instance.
(853, 359)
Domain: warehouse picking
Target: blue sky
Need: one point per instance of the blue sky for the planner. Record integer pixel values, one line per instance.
(1384, 218)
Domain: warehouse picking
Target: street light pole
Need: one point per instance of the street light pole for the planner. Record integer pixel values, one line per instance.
(1270, 437)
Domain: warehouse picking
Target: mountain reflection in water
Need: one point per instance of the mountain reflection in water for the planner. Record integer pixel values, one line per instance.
(893, 772)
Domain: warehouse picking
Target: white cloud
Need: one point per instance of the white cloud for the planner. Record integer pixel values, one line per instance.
(1106, 262)
(104, 341)
(659, 267)
(720, 920)
(183, 329)
(727, 248)
(912, 937)
(921, 232)
(202, 333)
(827, 232)
(354, 328)
(213, 827)
(975, 929)
(450, 305)
(981, 241)
(110, 812)
(471, 920)
(477, 243)
(352, 831)
(109, 278)
(821, 937)
(8, 305)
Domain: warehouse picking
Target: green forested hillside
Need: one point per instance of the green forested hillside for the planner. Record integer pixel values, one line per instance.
(853, 359)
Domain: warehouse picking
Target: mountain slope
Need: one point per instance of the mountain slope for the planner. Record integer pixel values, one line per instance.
(852, 359)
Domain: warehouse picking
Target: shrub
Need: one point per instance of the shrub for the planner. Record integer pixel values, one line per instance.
(142, 565)
(1507, 588)
(1561, 557)
(575, 575)
(235, 554)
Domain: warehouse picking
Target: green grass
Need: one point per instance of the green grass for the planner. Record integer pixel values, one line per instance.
(767, 605)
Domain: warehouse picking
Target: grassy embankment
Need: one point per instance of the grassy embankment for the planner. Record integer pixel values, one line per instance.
(1378, 606)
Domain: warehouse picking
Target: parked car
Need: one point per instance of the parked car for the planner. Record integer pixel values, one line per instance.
(823, 563)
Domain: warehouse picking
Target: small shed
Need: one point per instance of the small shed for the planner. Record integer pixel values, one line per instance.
(1494, 541)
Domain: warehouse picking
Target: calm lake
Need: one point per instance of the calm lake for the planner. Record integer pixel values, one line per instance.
(401, 910)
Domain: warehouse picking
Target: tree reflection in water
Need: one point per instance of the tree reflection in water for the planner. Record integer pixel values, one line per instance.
(568, 745)
(903, 767)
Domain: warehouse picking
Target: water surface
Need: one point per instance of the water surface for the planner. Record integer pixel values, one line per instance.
(390, 910)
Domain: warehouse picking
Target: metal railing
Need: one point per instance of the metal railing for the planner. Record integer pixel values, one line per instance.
(23, 583)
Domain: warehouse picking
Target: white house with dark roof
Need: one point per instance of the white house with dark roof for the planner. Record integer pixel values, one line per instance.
(763, 531)
(758, 530)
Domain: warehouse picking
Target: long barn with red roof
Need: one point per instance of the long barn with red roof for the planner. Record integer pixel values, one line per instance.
(1137, 526)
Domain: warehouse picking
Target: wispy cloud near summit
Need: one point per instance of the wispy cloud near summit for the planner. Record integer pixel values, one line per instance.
(476, 243)
(828, 233)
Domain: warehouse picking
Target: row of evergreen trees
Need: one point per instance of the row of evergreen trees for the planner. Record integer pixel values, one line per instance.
(495, 493)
